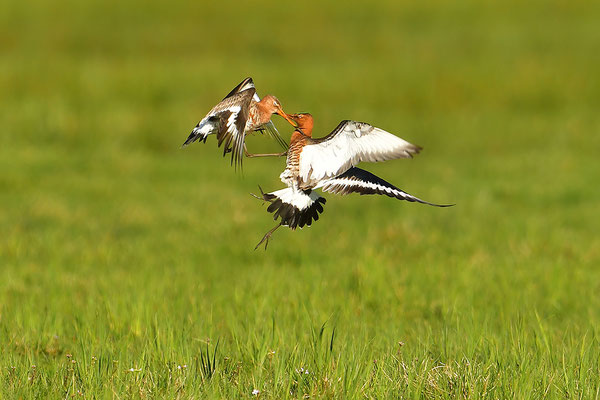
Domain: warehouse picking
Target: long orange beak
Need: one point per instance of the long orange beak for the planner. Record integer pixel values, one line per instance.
(287, 118)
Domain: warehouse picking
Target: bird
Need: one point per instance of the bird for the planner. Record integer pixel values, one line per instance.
(329, 163)
(240, 113)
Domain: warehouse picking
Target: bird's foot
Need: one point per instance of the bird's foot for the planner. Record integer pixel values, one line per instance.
(267, 237)
(262, 194)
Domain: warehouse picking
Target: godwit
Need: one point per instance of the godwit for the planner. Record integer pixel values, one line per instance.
(240, 113)
(329, 163)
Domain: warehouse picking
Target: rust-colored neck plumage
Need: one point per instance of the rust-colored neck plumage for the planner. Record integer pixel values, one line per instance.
(296, 136)
(266, 107)
(305, 125)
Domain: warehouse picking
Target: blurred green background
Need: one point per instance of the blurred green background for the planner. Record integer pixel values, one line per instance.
(124, 257)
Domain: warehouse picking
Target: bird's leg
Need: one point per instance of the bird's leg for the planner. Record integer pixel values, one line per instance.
(267, 236)
(263, 155)
(267, 155)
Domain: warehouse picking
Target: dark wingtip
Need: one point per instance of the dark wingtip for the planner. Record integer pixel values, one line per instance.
(414, 150)
(192, 138)
(437, 205)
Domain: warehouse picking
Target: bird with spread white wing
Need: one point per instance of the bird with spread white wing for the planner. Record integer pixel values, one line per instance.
(329, 163)
(240, 113)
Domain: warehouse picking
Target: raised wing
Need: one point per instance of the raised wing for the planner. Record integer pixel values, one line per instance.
(357, 180)
(231, 115)
(228, 120)
(247, 83)
(347, 145)
(269, 128)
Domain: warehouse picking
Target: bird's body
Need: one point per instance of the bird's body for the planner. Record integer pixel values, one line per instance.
(329, 163)
(240, 113)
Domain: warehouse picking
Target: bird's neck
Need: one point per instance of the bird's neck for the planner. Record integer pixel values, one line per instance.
(264, 114)
(299, 135)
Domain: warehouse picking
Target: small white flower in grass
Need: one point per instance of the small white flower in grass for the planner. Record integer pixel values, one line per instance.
(301, 371)
(255, 392)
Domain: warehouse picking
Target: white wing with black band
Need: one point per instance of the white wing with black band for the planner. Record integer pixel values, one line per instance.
(357, 180)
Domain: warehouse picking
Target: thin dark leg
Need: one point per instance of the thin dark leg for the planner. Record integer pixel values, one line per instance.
(267, 236)
(267, 155)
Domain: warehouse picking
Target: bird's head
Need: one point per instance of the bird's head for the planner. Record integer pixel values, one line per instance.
(303, 122)
(273, 106)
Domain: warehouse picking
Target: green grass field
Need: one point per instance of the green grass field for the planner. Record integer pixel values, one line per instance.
(127, 267)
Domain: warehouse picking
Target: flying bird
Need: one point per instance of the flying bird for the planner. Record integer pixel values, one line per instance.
(240, 113)
(329, 163)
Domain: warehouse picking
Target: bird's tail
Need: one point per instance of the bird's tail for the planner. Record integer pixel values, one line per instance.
(296, 208)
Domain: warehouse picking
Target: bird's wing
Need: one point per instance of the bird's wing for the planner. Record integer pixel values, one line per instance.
(232, 114)
(247, 83)
(269, 127)
(357, 180)
(347, 145)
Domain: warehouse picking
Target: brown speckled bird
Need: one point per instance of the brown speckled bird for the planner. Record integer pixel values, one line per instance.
(240, 113)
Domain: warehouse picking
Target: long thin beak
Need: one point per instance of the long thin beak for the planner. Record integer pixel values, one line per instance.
(287, 118)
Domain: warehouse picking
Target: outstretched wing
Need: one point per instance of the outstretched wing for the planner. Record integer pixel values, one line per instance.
(232, 114)
(357, 180)
(347, 145)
